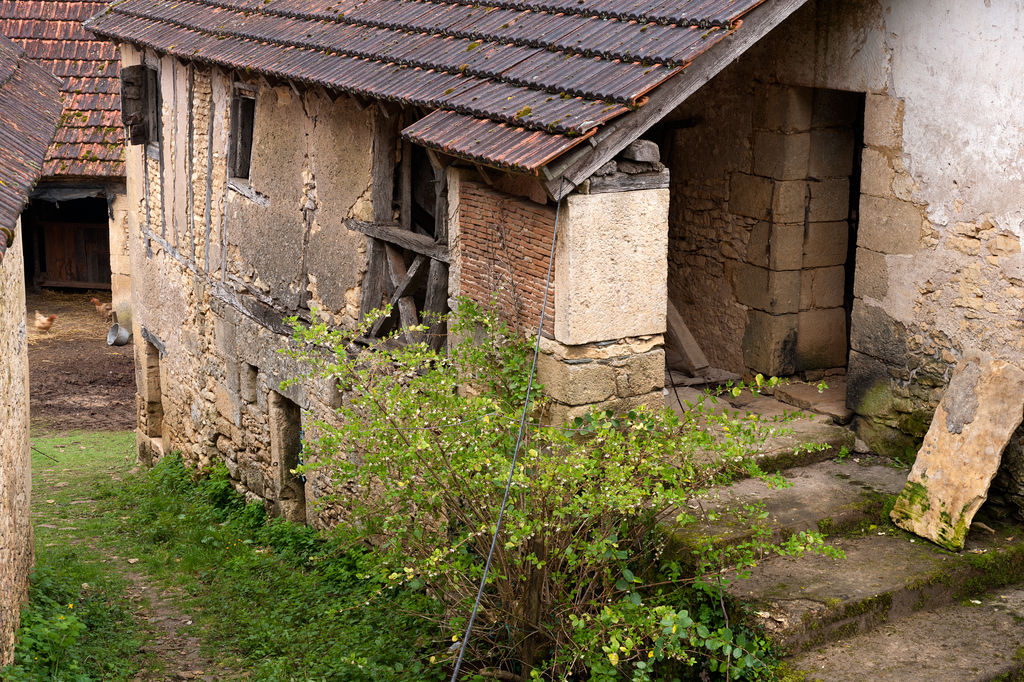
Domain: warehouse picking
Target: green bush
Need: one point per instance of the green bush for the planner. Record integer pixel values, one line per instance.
(422, 448)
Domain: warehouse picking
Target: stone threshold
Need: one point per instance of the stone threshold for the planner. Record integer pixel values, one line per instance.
(885, 575)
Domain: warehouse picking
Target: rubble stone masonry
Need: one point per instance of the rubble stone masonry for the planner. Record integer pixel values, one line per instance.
(15, 467)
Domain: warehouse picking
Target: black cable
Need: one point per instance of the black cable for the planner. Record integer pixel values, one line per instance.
(519, 442)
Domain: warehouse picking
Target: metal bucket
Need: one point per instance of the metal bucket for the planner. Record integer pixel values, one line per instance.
(118, 335)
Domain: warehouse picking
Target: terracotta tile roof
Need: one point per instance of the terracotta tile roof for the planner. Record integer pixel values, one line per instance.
(513, 83)
(90, 142)
(29, 110)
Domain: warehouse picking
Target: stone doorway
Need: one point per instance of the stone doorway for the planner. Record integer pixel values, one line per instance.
(763, 225)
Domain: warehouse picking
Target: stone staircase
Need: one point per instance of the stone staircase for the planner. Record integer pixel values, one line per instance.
(895, 607)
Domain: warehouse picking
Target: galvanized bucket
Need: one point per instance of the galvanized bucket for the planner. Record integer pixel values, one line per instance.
(118, 335)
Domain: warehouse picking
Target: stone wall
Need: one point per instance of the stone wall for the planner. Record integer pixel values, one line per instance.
(760, 222)
(602, 346)
(938, 258)
(218, 263)
(15, 468)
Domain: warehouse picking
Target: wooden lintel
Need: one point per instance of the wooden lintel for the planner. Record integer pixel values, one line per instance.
(618, 134)
(394, 234)
(624, 182)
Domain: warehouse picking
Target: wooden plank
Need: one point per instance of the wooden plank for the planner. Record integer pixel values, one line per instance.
(682, 342)
(394, 234)
(665, 98)
(401, 299)
(441, 205)
(385, 132)
(405, 185)
(624, 182)
(373, 280)
(436, 303)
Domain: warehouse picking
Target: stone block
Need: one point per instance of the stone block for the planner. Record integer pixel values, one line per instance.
(774, 291)
(822, 287)
(889, 225)
(830, 200)
(559, 414)
(885, 440)
(643, 151)
(611, 266)
(883, 121)
(874, 333)
(831, 153)
(639, 374)
(769, 343)
(871, 277)
(821, 339)
(777, 246)
(248, 382)
(228, 406)
(790, 202)
(750, 196)
(979, 412)
(825, 244)
(785, 108)
(575, 382)
(783, 156)
(876, 173)
(869, 387)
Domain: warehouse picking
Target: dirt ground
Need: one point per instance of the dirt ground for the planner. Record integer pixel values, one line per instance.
(76, 380)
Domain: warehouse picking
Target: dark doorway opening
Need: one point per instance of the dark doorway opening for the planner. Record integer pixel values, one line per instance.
(67, 243)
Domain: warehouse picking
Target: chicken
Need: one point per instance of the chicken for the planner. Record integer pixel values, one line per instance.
(104, 309)
(44, 322)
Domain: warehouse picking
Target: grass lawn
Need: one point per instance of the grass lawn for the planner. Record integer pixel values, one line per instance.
(155, 574)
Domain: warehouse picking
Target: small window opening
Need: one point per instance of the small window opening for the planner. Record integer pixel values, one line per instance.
(243, 112)
(285, 456)
(140, 103)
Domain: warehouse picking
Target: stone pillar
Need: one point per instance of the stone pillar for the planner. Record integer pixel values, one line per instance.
(610, 304)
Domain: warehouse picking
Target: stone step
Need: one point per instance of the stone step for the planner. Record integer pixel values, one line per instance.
(886, 575)
(834, 497)
(829, 400)
(789, 447)
(976, 639)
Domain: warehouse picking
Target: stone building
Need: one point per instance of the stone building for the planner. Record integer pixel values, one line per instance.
(29, 109)
(75, 226)
(819, 188)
